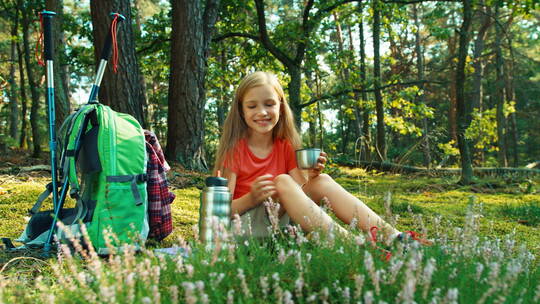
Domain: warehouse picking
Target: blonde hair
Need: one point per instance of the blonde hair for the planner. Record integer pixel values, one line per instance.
(235, 127)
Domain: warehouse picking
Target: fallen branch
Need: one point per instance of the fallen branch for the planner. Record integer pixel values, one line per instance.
(13, 170)
(393, 167)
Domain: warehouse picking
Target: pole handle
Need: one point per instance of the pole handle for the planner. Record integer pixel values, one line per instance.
(47, 34)
(106, 51)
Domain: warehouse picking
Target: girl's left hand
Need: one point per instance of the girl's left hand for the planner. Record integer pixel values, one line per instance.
(321, 161)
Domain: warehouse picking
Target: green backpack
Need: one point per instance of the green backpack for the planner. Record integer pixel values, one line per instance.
(110, 162)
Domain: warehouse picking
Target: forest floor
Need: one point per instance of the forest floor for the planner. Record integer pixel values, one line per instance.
(508, 204)
(476, 227)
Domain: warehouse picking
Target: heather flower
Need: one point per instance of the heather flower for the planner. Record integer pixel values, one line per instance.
(428, 273)
(359, 284)
(156, 295)
(173, 290)
(203, 296)
(325, 293)
(368, 297)
(189, 292)
(264, 285)
(230, 296)
(287, 297)
(370, 266)
(245, 288)
(298, 287)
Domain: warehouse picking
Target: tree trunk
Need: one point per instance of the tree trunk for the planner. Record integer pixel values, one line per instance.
(420, 73)
(34, 109)
(478, 63)
(24, 102)
(499, 97)
(61, 73)
(463, 108)
(381, 137)
(191, 35)
(13, 102)
(222, 103)
(363, 77)
(452, 109)
(122, 91)
(294, 93)
(510, 96)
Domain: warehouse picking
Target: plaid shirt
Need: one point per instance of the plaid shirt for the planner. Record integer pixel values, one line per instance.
(159, 196)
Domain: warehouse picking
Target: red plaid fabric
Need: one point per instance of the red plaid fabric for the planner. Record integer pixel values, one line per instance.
(159, 196)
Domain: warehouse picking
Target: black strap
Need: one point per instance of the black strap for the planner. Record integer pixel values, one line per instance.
(7, 242)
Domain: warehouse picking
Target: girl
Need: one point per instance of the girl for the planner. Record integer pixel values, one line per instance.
(256, 155)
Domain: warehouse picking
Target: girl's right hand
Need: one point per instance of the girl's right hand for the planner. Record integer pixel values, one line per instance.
(262, 188)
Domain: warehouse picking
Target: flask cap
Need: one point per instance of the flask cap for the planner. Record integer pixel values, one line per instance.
(214, 181)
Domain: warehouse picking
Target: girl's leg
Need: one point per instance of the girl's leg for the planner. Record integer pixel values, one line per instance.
(300, 208)
(345, 205)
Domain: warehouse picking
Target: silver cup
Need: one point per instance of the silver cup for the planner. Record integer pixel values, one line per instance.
(307, 158)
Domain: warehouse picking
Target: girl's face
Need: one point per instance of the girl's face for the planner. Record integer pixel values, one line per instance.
(261, 108)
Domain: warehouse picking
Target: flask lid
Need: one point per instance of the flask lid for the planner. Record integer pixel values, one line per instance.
(214, 181)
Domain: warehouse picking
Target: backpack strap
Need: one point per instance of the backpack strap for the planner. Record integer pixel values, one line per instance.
(134, 179)
(41, 198)
(73, 148)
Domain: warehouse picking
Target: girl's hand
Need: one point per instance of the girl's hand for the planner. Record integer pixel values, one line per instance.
(321, 161)
(262, 188)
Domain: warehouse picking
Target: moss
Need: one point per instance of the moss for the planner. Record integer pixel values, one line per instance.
(504, 204)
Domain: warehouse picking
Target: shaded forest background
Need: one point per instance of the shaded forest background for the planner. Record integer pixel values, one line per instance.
(422, 83)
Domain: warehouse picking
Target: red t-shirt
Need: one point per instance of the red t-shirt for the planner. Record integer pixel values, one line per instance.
(248, 167)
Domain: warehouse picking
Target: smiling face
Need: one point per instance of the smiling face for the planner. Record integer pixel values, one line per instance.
(261, 108)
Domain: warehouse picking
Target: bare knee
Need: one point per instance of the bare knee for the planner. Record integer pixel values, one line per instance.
(284, 185)
(283, 181)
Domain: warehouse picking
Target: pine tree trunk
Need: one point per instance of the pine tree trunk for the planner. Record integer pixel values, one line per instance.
(499, 97)
(192, 30)
(34, 109)
(122, 91)
(363, 77)
(381, 137)
(463, 108)
(420, 75)
(24, 102)
(13, 102)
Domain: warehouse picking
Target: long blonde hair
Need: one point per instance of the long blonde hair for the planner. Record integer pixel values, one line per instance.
(235, 127)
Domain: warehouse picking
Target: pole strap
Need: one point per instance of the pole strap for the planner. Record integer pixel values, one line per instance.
(114, 43)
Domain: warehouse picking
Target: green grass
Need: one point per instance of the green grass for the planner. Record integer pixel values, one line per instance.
(487, 233)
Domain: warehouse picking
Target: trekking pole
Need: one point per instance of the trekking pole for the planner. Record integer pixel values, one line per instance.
(111, 38)
(110, 44)
(46, 21)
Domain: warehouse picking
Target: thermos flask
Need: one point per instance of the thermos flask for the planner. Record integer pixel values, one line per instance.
(215, 208)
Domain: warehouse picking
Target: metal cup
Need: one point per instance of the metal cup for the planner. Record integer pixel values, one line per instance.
(307, 158)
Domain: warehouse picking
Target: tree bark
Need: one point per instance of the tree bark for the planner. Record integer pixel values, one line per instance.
(499, 97)
(24, 102)
(192, 29)
(363, 78)
(463, 108)
(61, 72)
(420, 74)
(381, 136)
(13, 102)
(34, 109)
(122, 91)
(478, 63)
